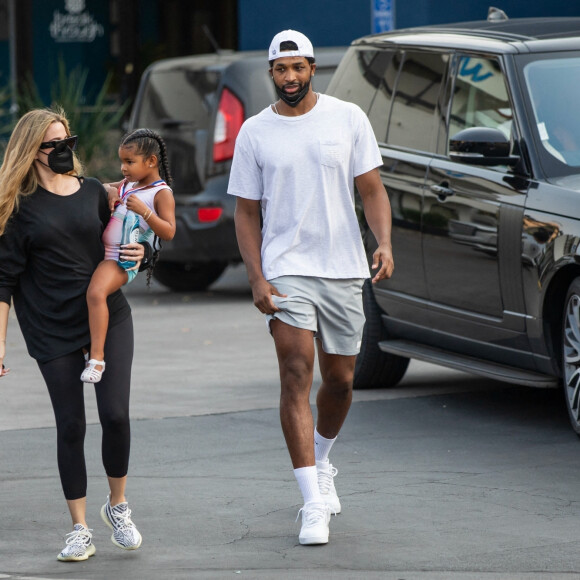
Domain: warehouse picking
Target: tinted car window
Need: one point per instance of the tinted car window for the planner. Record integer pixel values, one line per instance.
(177, 97)
(322, 78)
(553, 85)
(380, 109)
(415, 101)
(358, 77)
(480, 97)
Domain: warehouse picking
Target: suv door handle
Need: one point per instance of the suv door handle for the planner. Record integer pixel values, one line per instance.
(442, 191)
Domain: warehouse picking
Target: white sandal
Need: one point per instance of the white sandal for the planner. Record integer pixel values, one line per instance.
(91, 374)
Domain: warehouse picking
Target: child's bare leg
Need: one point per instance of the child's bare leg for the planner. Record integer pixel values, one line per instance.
(107, 278)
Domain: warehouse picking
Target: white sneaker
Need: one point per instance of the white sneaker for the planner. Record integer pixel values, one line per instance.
(79, 545)
(315, 519)
(118, 518)
(326, 473)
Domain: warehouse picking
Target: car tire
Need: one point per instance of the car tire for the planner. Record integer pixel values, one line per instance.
(374, 368)
(188, 277)
(571, 354)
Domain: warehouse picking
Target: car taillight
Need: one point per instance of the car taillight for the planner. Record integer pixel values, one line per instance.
(209, 214)
(230, 117)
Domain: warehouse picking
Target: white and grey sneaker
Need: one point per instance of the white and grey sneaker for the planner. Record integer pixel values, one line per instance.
(315, 519)
(326, 473)
(79, 545)
(118, 518)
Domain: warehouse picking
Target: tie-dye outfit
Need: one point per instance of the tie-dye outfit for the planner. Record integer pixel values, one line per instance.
(114, 229)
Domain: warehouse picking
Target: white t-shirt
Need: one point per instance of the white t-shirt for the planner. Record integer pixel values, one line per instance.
(302, 169)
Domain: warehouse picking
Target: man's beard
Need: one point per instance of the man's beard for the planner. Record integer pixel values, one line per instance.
(293, 99)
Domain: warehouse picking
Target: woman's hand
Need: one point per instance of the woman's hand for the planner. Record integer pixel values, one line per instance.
(113, 195)
(3, 369)
(132, 253)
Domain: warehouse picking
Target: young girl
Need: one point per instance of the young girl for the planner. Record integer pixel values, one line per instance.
(143, 157)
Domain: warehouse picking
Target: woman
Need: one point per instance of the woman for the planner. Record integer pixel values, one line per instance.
(51, 222)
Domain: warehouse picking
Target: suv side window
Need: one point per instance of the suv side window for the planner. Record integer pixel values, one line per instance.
(358, 76)
(380, 110)
(412, 122)
(480, 97)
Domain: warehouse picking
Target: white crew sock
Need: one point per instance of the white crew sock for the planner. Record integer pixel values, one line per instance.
(322, 446)
(307, 479)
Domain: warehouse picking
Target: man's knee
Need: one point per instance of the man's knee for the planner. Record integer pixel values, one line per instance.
(295, 370)
(338, 374)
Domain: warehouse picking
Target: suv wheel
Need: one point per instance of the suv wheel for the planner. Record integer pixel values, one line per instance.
(188, 277)
(374, 368)
(571, 353)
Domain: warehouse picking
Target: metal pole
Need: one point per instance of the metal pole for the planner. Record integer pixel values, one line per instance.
(13, 60)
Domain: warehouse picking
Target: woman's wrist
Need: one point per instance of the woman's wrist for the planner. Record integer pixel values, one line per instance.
(148, 215)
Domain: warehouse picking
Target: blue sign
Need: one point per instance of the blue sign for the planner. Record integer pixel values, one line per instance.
(382, 15)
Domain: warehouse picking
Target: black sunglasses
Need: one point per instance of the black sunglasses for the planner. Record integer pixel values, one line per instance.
(70, 142)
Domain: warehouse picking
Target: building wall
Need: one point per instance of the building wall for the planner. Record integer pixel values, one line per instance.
(124, 36)
(425, 12)
(325, 22)
(338, 22)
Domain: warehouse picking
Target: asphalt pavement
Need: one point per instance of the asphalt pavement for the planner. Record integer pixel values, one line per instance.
(445, 477)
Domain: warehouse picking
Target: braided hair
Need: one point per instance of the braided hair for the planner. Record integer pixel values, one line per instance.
(147, 142)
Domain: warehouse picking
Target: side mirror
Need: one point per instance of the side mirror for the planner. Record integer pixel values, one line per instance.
(481, 146)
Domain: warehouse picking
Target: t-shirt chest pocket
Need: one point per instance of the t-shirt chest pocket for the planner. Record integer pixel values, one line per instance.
(331, 153)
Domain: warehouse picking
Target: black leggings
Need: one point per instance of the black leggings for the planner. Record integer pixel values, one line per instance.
(62, 377)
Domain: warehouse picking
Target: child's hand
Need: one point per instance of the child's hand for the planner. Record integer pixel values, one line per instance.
(113, 194)
(134, 204)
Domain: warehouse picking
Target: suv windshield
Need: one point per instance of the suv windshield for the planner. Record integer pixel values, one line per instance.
(552, 85)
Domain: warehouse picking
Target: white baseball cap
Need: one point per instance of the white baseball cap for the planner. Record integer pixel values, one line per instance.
(304, 45)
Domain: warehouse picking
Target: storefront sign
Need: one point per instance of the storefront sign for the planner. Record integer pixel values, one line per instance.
(75, 24)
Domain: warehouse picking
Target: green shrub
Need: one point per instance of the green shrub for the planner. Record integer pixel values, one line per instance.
(97, 121)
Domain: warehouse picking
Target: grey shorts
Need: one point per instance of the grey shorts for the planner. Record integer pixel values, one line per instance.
(331, 308)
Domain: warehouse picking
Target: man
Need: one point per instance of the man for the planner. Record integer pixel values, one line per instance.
(294, 165)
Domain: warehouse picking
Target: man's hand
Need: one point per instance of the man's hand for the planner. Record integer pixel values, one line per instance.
(262, 292)
(384, 256)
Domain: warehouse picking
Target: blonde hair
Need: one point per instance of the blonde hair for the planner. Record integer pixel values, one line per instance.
(18, 175)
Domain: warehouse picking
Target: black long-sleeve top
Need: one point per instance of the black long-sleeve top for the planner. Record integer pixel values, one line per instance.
(48, 253)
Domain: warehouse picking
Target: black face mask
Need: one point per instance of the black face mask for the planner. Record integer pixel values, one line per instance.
(292, 100)
(61, 159)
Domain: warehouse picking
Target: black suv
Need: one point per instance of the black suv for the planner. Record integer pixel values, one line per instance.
(198, 104)
(479, 128)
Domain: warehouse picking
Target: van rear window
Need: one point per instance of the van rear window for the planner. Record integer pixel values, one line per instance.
(178, 98)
